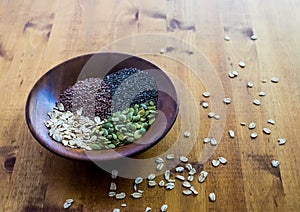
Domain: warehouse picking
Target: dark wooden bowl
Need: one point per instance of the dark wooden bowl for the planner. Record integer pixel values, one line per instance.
(46, 91)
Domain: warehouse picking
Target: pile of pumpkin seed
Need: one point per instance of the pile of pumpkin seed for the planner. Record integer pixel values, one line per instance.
(122, 127)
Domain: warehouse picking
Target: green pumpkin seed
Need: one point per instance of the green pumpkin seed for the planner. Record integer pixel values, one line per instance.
(152, 115)
(153, 111)
(115, 119)
(151, 120)
(130, 140)
(95, 146)
(141, 112)
(143, 119)
(137, 134)
(105, 132)
(151, 108)
(151, 103)
(107, 125)
(144, 106)
(109, 137)
(120, 136)
(128, 134)
(114, 136)
(129, 116)
(111, 146)
(122, 118)
(142, 131)
(136, 118)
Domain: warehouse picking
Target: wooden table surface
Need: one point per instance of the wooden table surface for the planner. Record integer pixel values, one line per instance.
(186, 39)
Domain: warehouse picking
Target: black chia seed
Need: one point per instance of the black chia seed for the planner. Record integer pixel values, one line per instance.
(116, 92)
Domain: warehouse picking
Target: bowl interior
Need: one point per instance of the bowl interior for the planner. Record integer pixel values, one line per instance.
(47, 89)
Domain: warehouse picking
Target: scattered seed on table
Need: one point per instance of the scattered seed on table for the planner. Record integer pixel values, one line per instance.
(148, 209)
(123, 205)
(180, 177)
(170, 156)
(261, 93)
(227, 100)
(267, 130)
(186, 184)
(164, 208)
(111, 194)
(206, 140)
(242, 64)
(188, 166)
(235, 73)
(114, 174)
(134, 187)
(253, 37)
(204, 104)
(116, 210)
(211, 114)
(231, 133)
(243, 123)
(169, 186)
(206, 94)
(151, 176)
(183, 159)
(271, 121)
(187, 134)
(179, 169)
(253, 135)
(151, 183)
(187, 192)
(250, 85)
(226, 38)
(215, 163)
(275, 163)
(159, 160)
(68, 203)
(192, 171)
(252, 125)
(190, 178)
(161, 183)
(167, 175)
(213, 141)
(113, 186)
(193, 190)
(256, 102)
(281, 141)
(222, 160)
(138, 180)
(217, 117)
(159, 166)
(274, 80)
(212, 197)
(171, 181)
(121, 195)
(231, 74)
(162, 51)
(136, 195)
(202, 176)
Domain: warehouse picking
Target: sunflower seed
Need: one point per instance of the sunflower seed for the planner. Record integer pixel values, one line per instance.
(136, 195)
(261, 93)
(167, 175)
(170, 156)
(202, 176)
(204, 104)
(159, 166)
(140, 191)
(179, 169)
(213, 141)
(250, 85)
(69, 200)
(113, 186)
(217, 117)
(121, 195)
(192, 171)
(151, 176)
(138, 180)
(242, 123)
(186, 184)
(231, 133)
(211, 114)
(231, 74)
(253, 37)
(114, 174)
(164, 208)
(222, 160)
(252, 125)
(206, 94)
(171, 181)
(123, 205)
(116, 210)
(242, 64)
(159, 160)
(162, 51)
(274, 80)
(180, 177)
(161, 183)
(190, 178)
(235, 73)
(183, 159)
(187, 192)
(267, 130)
(169, 186)
(212, 197)
(227, 100)
(226, 38)
(281, 141)
(187, 134)
(151, 183)
(215, 163)
(275, 163)
(111, 194)
(193, 190)
(134, 187)
(256, 102)
(188, 166)
(271, 121)
(206, 140)
(148, 209)
(253, 135)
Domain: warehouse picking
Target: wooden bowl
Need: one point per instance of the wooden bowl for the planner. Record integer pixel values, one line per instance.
(45, 93)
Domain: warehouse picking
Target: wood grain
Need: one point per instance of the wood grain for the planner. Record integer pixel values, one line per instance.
(37, 35)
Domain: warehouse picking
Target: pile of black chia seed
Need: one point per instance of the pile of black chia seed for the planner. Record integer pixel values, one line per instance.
(116, 92)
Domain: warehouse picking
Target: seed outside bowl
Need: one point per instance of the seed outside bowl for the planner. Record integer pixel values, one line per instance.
(46, 91)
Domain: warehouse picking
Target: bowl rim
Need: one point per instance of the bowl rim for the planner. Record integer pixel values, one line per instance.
(94, 154)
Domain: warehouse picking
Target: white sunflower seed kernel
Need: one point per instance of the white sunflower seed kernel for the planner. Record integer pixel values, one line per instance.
(281, 141)
(274, 80)
(187, 192)
(206, 94)
(121, 195)
(217, 116)
(171, 181)
(164, 208)
(183, 159)
(113, 186)
(253, 135)
(252, 125)
(263, 80)
(242, 64)
(231, 133)
(249, 84)
(111, 194)
(211, 114)
(167, 175)
(235, 73)
(114, 174)
(242, 123)
(179, 169)
(136, 195)
(186, 184)
(169, 186)
(159, 166)
(213, 141)
(204, 104)
(226, 38)
(222, 160)
(212, 197)
(192, 171)
(170, 156)
(123, 205)
(180, 177)
(253, 37)
(116, 210)
(188, 166)
(186, 134)
(159, 160)
(190, 178)
(271, 121)
(148, 209)
(231, 74)
(261, 93)
(266, 130)
(151, 176)
(193, 190)
(161, 183)
(275, 163)
(202, 176)
(206, 140)
(215, 163)
(227, 100)
(151, 183)
(256, 102)
(138, 180)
